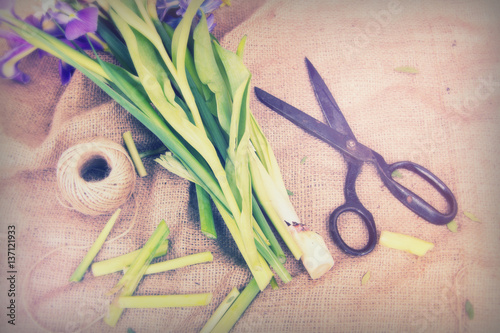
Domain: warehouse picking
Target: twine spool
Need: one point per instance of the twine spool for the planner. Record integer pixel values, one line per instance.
(95, 177)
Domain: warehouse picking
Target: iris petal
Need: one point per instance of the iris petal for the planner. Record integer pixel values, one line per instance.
(209, 6)
(211, 22)
(65, 72)
(12, 39)
(64, 7)
(9, 63)
(85, 21)
(163, 6)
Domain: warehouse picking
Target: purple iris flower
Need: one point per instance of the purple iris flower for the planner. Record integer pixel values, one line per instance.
(20, 49)
(166, 8)
(76, 23)
(172, 11)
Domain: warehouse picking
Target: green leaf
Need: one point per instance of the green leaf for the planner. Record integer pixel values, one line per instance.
(453, 226)
(289, 192)
(207, 224)
(303, 160)
(236, 71)
(469, 309)
(94, 250)
(179, 50)
(396, 174)
(471, 217)
(116, 46)
(172, 164)
(406, 69)
(365, 278)
(209, 74)
(241, 47)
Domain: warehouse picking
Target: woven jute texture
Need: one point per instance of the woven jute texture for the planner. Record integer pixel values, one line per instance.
(445, 117)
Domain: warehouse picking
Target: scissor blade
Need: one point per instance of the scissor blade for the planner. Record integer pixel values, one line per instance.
(330, 108)
(315, 127)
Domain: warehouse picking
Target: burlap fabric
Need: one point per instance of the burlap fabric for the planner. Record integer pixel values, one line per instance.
(445, 117)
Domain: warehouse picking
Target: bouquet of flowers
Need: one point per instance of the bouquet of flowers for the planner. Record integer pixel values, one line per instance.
(175, 78)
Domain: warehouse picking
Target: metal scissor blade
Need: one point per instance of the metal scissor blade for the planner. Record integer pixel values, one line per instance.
(315, 127)
(328, 104)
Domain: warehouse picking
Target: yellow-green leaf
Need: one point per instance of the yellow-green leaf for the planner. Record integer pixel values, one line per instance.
(453, 226)
(471, 217)
(404, 242)
(396, 174)
(303, 160)
(365, 278)
(469, 309)
(406, 69)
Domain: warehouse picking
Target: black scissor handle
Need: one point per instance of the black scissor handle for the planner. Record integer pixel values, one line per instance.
(352, 204)
(366, 217)
(415, 203)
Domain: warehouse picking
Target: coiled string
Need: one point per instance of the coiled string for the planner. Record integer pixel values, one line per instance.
(95, 177)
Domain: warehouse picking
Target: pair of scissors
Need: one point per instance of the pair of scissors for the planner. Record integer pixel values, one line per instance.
(339, 135)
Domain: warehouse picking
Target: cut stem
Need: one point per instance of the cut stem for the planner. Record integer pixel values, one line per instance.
(117, 264)
(205, 211)
(405, 243)
(237, 308)
(134, 154)
(163, 301)
(220, 311)
(128, 283)
(189, 260)
(96, 247)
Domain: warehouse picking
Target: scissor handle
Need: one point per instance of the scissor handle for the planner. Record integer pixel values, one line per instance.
(353, 205)
(367, 219)
(415, 203)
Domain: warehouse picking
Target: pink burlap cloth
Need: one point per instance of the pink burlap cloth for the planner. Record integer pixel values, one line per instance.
(445, 117)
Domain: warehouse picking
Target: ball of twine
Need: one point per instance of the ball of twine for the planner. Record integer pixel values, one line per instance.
(95, 177)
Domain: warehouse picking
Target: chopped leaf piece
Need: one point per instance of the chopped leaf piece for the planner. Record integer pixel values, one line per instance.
(129, 330)
(274, 284)
(365, 278)
(163, 301)
(192, 259)
(471, 217)
(96, 247)
(221, 310)
(128, 283)
(405, 243)
(117, 264)
(134, 154)
(238, 307)
(303, 160)
(396, 174)
(453, 226)
(289, 192)
(469, 309)
(406, 69)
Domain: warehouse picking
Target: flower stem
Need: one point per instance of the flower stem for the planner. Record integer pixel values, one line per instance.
(237, 308)
(205, 211)
(220, 311)
(91, 254)
(134, 154)
(189, 260)
(117, 264)
(128, 283)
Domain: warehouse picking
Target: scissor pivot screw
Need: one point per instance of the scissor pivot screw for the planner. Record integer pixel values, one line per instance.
(351, 144)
